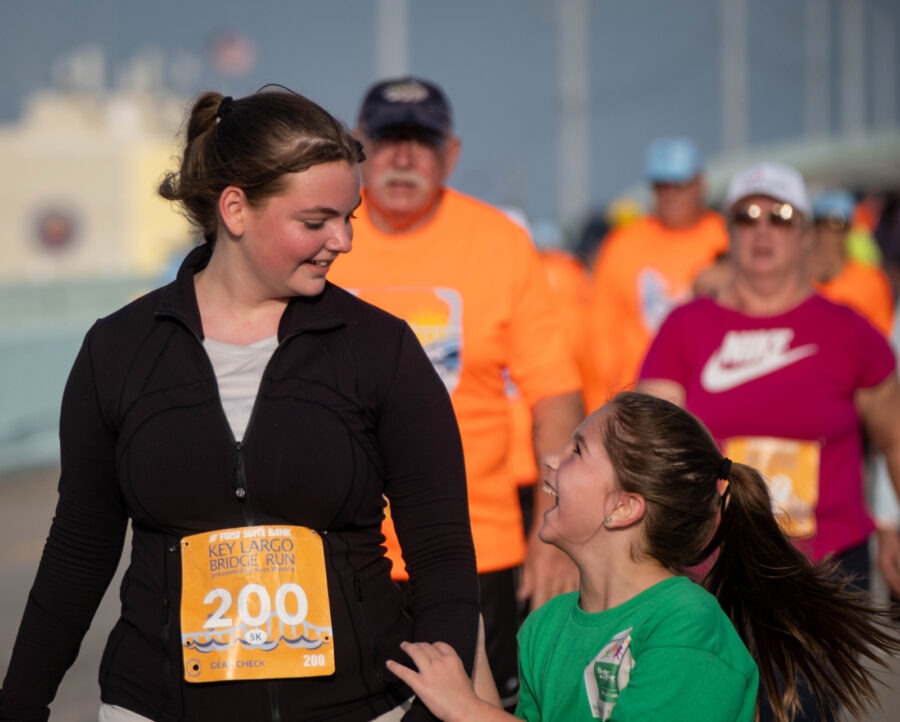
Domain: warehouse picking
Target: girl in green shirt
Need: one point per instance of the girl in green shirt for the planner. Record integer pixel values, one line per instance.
(642, 495)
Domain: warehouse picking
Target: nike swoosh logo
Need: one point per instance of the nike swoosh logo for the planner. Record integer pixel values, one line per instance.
(716, 377)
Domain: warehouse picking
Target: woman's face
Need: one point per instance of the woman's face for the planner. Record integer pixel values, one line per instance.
(582, 480)
(290, 241)
(768, 237)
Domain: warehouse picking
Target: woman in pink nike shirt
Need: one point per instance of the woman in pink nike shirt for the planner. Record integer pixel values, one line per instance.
(786, 380)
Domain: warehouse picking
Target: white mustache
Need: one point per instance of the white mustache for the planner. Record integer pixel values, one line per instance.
(401, 176)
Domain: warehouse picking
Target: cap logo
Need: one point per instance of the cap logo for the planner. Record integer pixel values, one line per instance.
(764, 180)
(406, 92)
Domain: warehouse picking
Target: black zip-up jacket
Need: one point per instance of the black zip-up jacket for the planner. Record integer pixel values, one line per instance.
(349, 409)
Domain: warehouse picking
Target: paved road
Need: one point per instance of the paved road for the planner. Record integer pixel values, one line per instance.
(27, 500)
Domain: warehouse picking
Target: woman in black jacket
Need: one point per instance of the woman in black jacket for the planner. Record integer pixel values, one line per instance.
(250, 419)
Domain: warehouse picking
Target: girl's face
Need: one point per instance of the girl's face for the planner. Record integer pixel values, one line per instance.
(582, 480)
(290, 241)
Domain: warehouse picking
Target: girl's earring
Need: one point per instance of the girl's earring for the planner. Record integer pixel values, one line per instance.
(607, 521)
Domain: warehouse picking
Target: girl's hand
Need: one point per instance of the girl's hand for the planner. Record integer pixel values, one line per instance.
(443, 686)
(441, 681)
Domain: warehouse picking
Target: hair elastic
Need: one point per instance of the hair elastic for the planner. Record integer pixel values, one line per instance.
(724, 485)
(724, 469)
(224, 107)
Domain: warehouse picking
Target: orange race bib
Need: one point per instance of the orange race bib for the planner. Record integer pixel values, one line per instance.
(254, 605)
(791, 469)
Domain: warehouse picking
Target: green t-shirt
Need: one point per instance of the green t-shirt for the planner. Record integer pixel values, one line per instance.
(670, 653)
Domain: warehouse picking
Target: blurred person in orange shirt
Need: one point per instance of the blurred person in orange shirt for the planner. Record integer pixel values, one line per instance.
(620, 212)
(469, 282)
(862, 286)
(589, 239)
(569, 288)
(648, 266)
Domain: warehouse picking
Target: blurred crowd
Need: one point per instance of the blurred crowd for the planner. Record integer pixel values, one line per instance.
(636, 264)
(627, 266)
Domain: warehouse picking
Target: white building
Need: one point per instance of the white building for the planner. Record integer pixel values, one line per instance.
(78, 186)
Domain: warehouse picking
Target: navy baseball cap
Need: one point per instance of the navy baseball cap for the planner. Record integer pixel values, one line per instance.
(406, 106)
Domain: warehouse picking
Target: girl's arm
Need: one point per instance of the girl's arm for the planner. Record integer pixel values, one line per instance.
(482, 677)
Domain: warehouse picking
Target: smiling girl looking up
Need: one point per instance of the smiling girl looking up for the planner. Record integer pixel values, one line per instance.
(642, 494)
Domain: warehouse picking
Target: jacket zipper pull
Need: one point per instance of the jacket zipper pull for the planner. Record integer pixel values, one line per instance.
(240, 489)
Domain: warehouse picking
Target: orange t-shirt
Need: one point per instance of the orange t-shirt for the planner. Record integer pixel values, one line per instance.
(569, 290)
(867, 290)
(471, 286)
(643, 270)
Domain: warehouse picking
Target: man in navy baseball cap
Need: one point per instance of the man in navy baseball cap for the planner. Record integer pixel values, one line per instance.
(468, 280)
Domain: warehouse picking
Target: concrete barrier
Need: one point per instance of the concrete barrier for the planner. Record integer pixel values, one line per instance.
(41, 329)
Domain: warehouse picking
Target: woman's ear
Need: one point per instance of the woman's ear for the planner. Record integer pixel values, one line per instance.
(629, 510)
(233, 208)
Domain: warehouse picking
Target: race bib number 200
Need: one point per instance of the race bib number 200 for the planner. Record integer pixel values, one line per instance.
(255, 605)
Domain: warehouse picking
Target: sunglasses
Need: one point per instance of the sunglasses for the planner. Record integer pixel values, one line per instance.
(780, 215)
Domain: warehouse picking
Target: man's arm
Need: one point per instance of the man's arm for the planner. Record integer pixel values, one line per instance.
(548, 571)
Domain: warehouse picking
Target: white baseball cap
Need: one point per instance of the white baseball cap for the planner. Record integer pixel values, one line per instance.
(776, 180)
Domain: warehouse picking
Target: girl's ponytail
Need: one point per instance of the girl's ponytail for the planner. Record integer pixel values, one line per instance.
(798, 619)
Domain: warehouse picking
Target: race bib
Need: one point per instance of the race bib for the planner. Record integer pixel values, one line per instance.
(791, 469)
(254, 605)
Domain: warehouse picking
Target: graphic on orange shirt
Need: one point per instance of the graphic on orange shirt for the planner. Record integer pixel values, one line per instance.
(497, 311)
(656, 298)
(254, 605)
(435, 316)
